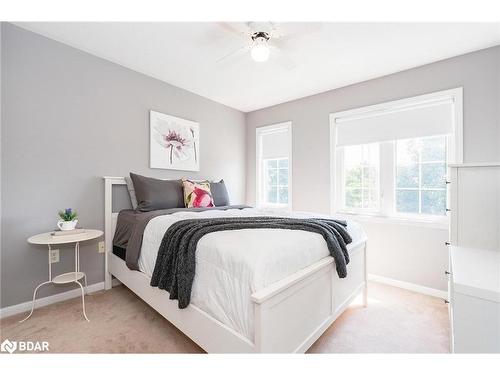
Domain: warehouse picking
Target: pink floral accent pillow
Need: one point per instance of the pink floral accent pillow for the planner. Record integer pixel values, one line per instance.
(197, 194)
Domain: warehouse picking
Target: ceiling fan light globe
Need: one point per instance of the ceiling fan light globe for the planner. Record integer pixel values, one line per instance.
(260, 52)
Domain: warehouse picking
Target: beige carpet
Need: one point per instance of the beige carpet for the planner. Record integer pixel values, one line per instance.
(396, 320)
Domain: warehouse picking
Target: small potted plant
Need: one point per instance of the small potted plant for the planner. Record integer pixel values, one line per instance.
(68, 219)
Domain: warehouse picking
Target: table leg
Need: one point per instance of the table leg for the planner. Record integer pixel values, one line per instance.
(77, 269)
(38, 287)
(77, 257)
(85, 279)
(83, 301)
(50, 265)
(33, 302)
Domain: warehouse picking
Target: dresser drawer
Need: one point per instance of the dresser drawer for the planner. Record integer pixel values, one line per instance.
(476, 325)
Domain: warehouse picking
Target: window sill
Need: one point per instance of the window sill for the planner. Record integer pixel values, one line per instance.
(437, 223)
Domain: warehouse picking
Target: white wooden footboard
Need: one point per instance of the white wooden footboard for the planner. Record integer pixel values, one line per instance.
(290, 315)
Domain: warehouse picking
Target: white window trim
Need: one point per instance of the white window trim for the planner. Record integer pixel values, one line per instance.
(455, 150)
(259, 132)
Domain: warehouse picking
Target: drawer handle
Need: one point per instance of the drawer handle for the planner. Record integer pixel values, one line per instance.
(446, 301)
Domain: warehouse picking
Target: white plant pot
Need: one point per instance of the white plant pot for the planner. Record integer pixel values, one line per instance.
(67, 225)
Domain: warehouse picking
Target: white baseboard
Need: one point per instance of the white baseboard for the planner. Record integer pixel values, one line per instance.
(40, 302)
(409, 286)
(26, 306)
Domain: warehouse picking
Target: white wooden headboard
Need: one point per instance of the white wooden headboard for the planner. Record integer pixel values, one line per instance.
(109, 221)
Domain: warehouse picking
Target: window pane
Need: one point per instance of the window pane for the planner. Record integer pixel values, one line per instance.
(370, 177)
(407, 151)
(434, 175)
(272, 177)
(353, 198)
(283, 163)
(352, 155)
(272, 195)
(407, 176)
(370, 198)
(434, 202)
(272, 163)
(283, 176)
(353, 177)
(407, 201)
(361, 176)
(283, 195)
(434, 149)
(420, 166)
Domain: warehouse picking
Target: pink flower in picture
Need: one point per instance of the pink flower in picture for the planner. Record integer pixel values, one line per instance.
(175, 139)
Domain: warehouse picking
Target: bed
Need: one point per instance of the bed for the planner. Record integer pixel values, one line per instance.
(246, 298)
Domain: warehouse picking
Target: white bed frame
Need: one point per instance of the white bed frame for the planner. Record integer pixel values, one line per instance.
(290, 315)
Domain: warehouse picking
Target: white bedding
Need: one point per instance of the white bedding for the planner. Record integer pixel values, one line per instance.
(232, 265)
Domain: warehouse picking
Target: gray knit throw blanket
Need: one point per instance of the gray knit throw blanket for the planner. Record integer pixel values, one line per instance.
(175, 265)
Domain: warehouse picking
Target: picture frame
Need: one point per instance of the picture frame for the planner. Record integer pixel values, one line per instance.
(174, 142)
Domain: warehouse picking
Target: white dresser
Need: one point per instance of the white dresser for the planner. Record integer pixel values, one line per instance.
(474, 274)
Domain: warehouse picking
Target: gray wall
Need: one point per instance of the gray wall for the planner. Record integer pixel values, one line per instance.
(407, 256)
(1, 121)
(69, 118)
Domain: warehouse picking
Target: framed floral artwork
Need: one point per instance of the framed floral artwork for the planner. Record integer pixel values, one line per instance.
(174, 142)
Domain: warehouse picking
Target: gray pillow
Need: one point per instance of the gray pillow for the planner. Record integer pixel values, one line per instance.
(131, 192)
(154, 194)
(219, 193)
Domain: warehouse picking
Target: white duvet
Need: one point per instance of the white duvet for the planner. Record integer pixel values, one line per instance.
(232, 265)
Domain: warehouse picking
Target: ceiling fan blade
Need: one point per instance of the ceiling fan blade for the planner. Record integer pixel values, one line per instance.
(233, 54)
(283, 59)
(267, 27)
(242, 30)
(303, 29)
(276, 43)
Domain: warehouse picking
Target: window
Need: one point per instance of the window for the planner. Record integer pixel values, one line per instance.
(273, 160)
(390, 159)
(421, 176)
(276, 181)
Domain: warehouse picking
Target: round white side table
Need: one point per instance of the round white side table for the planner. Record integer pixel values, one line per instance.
(69, 277)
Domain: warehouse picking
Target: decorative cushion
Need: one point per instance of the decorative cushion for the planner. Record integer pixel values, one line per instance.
(219, 193)
(197, 194)
(154, 194)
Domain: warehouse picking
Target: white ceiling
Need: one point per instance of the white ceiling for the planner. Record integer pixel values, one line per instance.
(336, 55)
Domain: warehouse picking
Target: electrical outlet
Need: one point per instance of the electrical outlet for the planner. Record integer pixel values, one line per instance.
(54, 256)
(101, 246)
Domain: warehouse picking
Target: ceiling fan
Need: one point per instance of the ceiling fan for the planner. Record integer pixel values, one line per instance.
(262, 39)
